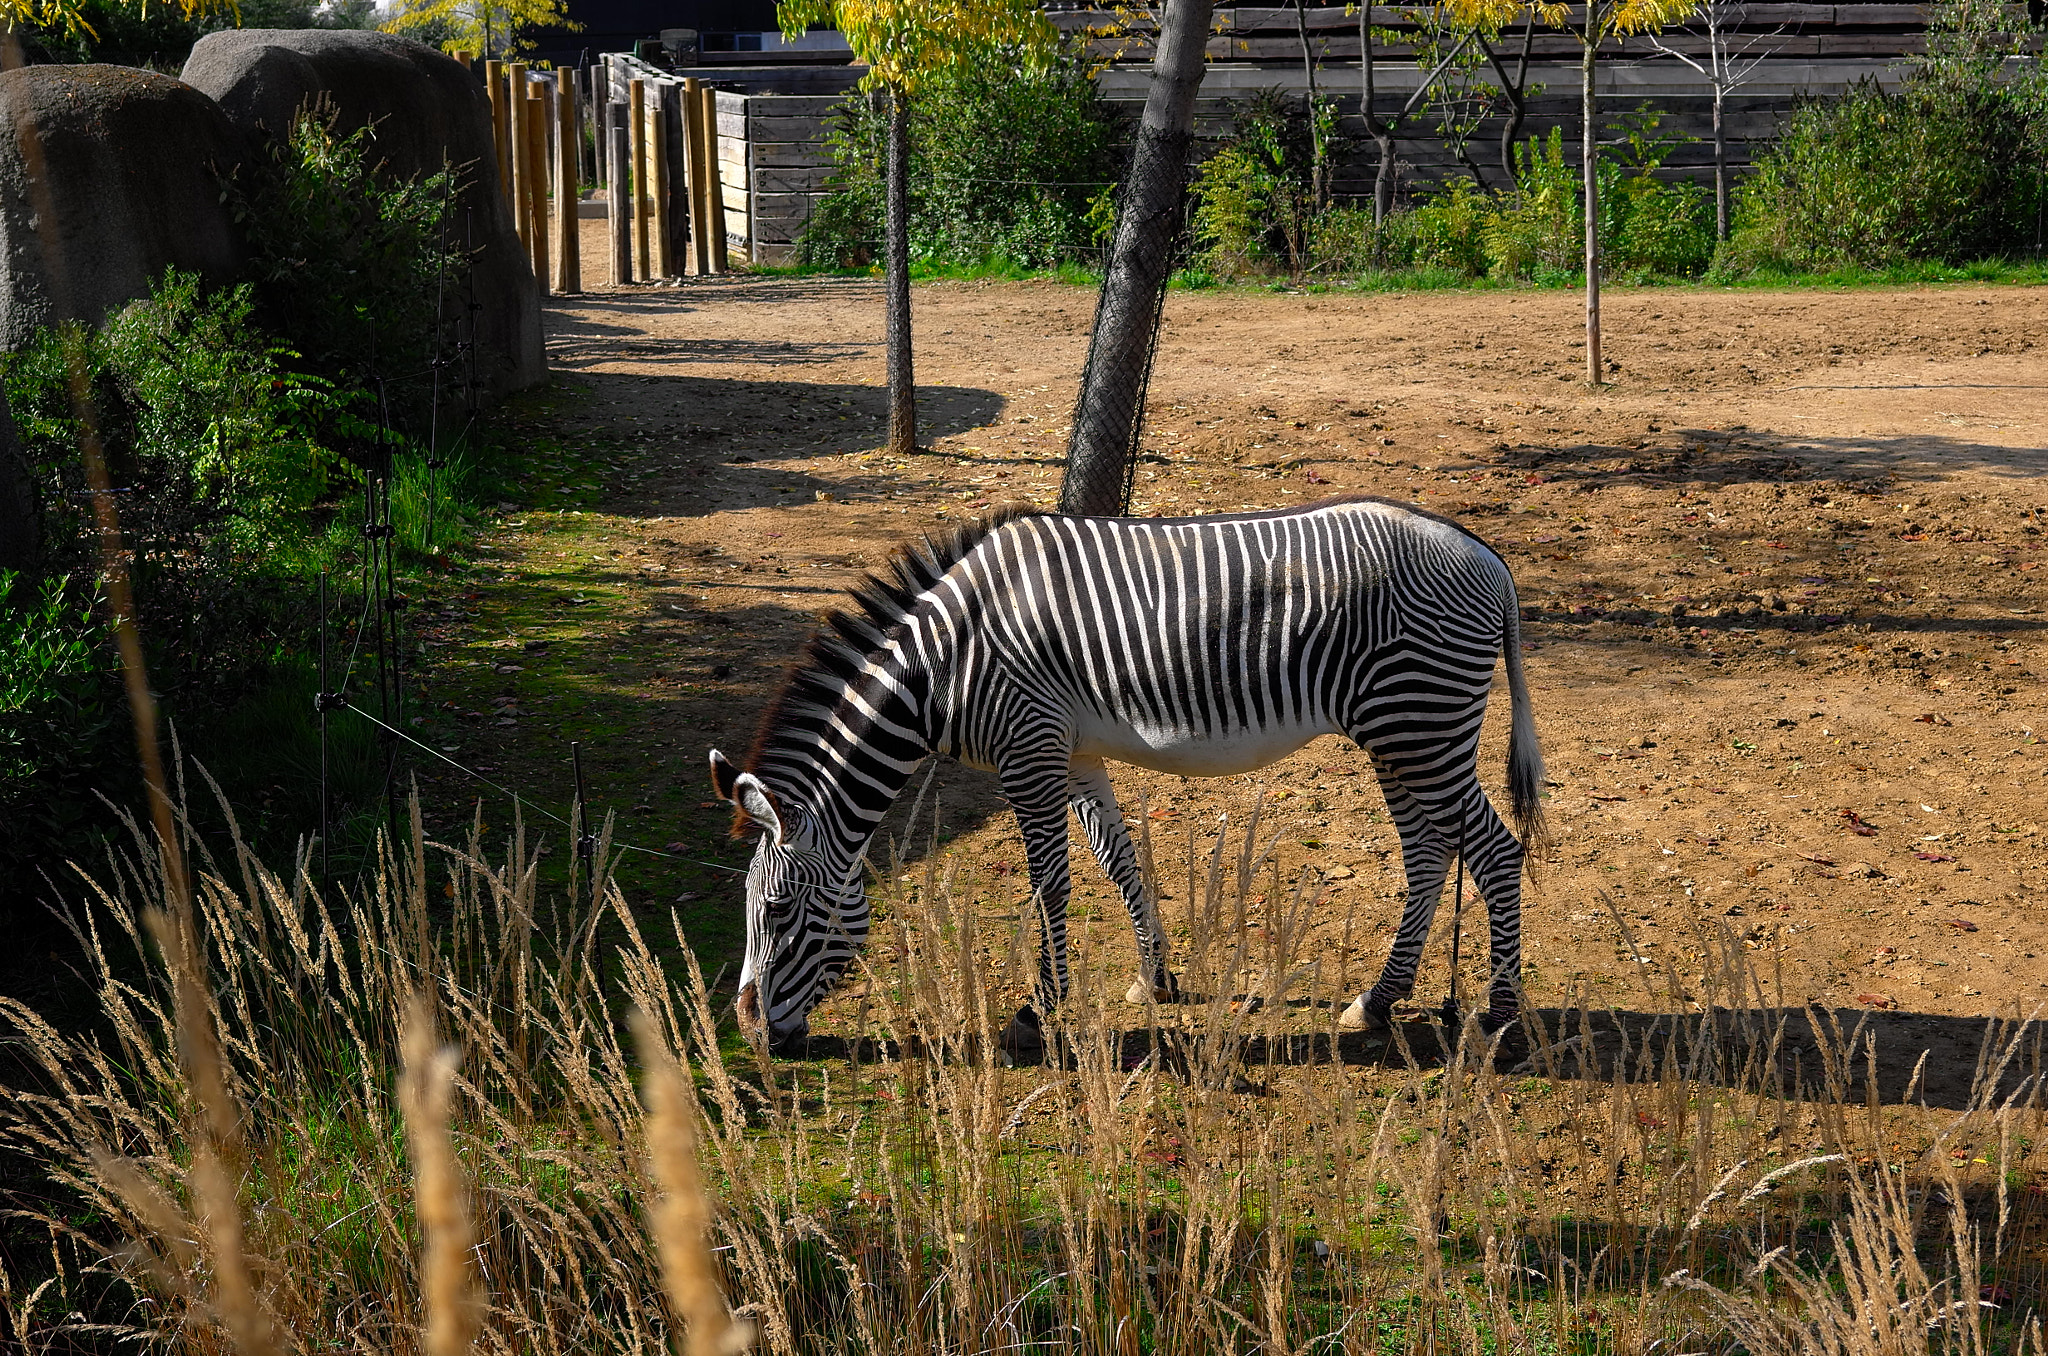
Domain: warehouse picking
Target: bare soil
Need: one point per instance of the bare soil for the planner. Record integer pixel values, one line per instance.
(1781, 579)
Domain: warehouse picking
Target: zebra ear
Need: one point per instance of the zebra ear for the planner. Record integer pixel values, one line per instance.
(751, 796)
(723, 775)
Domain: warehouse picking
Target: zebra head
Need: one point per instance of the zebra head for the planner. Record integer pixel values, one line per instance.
(806, 913)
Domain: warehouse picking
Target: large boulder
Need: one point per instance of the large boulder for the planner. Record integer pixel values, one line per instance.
(424, 110)
(108, 176)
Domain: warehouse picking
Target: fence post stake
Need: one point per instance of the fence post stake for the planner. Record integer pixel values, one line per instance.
(676, 175)
(621, 222)
(692, 108)
(515, 147)
(636, 105)
(537, 186)
(714, 206)
(657, 183)
(494, 86)
(568, 223)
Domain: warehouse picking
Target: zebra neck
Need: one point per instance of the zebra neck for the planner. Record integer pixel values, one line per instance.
(846, 746)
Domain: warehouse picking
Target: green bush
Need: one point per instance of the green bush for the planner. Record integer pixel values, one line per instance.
(354, 270)
(1005, 166)
(1448, 231)
(211, 437)
(59, 718)
(1949, 169)
(1253, 203)
(1234, 191)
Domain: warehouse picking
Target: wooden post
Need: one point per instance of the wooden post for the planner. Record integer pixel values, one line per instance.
(699, 170)
(568, 226)
(675, 176)
(494, 85)
(636, 105)
(657, 182)
(714, 213)
(617, 150)
(590, 107)
(465, 58)
(515, 143)
(537, 184)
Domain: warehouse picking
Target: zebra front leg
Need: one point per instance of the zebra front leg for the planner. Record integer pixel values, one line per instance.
(1094, 801)
(1425, 859)
(1037, 796)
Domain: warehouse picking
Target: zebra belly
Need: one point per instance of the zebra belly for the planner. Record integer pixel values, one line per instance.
(1196, 753)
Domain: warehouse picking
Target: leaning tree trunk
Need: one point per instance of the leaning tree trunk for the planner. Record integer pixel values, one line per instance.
(896, 281)
(1111, 408)
(1588, 169)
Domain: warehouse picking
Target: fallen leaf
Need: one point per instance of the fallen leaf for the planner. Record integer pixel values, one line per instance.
(1935, 856)
(1962, 925)
(1931, 719)
(1874, 1000)
(1824, 861)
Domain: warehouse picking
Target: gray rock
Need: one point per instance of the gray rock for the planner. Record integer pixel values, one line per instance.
(108, 176)
(424, 110)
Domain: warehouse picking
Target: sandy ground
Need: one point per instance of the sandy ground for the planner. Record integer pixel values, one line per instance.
(1780, 579)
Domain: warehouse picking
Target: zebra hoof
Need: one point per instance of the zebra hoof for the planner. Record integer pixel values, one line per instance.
(1023, 1040)
(1140, 993)
(1361, 1016)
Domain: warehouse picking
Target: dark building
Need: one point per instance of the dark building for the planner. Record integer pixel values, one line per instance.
(722, 28)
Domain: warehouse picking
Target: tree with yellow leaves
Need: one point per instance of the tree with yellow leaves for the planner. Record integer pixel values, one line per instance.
(1592, 23)
(490, 28)
(903, 43)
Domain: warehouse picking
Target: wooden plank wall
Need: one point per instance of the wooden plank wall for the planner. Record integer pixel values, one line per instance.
(1269, 34)
(786, 166)
(773, 165)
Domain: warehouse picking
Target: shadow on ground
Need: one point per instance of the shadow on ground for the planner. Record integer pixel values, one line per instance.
(1852, 1055)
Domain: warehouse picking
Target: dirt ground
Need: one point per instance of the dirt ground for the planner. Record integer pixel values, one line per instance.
(1781, 581)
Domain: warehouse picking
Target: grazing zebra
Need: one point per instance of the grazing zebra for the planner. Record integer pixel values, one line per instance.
(1039, 646)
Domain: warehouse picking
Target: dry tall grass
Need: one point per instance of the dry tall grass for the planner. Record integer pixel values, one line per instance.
(408, 1118)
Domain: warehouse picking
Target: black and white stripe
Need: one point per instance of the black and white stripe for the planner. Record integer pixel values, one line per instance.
(1039, 646)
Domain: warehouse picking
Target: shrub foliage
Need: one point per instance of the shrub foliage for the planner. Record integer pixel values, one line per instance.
(1006, 166)
(1951, 168)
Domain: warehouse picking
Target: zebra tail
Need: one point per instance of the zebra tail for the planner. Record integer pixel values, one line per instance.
(1525, 759)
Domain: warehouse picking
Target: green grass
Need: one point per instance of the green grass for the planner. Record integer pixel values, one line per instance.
(1195, 277)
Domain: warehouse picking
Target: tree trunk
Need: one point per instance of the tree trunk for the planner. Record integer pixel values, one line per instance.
(1720, 167)
(1318, 182)
(1111, 409)
(1382, 135)
(1588, 169)
(896, 281)
(1518, 104)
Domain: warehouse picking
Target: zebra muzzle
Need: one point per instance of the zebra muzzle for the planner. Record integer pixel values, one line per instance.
(749, 1010)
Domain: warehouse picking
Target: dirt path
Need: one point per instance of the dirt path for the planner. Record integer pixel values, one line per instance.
(1782, 579)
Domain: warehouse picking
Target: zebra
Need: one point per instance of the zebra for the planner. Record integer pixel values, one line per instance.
(1039, 646)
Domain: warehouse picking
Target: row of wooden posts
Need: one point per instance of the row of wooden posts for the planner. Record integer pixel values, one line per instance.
(656, 154)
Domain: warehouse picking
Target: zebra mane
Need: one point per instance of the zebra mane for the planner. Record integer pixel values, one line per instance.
(816, 681)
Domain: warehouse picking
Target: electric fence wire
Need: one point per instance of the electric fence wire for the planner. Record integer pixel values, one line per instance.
(528, 802)
(379, 589)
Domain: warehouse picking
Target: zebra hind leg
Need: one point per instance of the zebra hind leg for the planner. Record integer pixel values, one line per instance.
(1094, 802)
(1425, 859)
